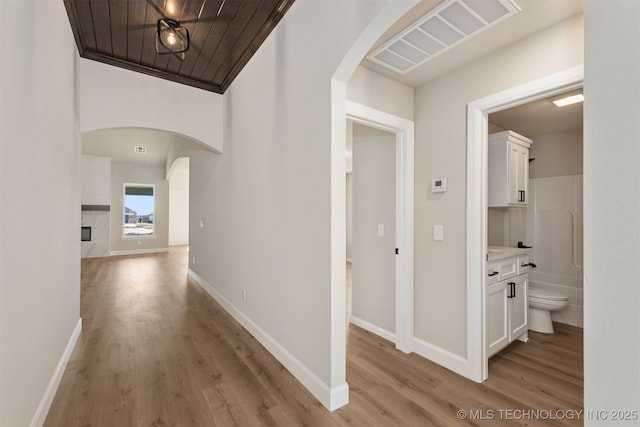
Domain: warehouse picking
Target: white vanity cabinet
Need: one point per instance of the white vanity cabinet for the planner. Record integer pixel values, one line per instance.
(508, 169)
(507, 303)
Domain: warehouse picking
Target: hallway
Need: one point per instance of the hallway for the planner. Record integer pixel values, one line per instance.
(157, 350)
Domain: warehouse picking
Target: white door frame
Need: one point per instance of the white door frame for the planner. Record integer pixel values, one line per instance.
(404, 131)
(477, 135)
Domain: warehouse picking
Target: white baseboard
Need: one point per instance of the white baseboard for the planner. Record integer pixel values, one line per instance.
(572, 315)
(50, 392)
(387, 335)
(139, 251)
(442, 357)
(332, 399)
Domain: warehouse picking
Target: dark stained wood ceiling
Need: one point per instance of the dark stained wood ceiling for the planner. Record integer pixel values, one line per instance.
(224, 35)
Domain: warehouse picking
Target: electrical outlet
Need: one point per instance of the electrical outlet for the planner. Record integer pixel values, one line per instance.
(244, 294)
(194, 260)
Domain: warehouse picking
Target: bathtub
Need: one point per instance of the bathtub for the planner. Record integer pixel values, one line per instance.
(554, 226)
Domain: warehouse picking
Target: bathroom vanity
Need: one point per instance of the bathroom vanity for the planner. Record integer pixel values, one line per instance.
(507, 296)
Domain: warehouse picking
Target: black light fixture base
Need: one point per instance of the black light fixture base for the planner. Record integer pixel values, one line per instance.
(171, 38)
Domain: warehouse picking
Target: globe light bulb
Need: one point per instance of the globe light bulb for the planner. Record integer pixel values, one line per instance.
(171, 38)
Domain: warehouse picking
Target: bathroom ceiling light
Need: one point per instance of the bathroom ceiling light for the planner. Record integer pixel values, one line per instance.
(449, 24)
(573, 99)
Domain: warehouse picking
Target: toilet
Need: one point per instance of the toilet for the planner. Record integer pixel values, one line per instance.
(541, 304)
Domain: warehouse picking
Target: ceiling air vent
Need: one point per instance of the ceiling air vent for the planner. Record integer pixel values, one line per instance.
(140, 149)
(452, 22)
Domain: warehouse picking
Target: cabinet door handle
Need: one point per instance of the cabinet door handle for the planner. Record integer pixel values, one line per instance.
(521, 196)
(512, 289)
(493, 274)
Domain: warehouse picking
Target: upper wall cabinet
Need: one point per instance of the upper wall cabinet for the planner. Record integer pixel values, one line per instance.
(508, 169)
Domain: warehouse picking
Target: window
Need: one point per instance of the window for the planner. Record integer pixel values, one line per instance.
(139, 217)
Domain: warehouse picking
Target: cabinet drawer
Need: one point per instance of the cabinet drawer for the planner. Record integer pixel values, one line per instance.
(508, 268)
(493, 273)
(523, 265)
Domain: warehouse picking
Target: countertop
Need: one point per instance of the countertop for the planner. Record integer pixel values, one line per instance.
(495, 253)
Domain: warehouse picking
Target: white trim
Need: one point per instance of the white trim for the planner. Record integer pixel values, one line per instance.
(331, 398)
(139, 251)
(477, 129)
(367, 326)
(404, 131)
(124, 206)
(440, 356)
(54, 382)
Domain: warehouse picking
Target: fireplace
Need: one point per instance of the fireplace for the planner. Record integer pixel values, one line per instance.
(85, 234)
(95, 230)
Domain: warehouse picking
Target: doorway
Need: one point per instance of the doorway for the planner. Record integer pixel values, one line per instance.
(179, 203)
(371, 224)
(552, 221)
(404, 136)
(477, 131)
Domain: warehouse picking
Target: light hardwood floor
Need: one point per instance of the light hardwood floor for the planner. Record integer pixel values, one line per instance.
(156, 350)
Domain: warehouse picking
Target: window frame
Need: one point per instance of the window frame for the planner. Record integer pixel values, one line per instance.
(124, 206)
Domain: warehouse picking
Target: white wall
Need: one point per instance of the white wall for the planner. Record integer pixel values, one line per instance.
(39, 207)
(374, 203)
(96, 180)
(374, 90)
(612, 229)
(440, 113)
(349, 216)
(132, 173)
(266, 202)
(179, 204)
(556, 154)
(111, 97)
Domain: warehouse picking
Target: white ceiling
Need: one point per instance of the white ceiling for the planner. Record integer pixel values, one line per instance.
(535, 16)
(540, 117)
(533, 119)
(118, 144)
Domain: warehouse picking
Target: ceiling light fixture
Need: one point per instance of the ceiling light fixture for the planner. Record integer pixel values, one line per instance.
(172, 38)
(573, 99)
(444, 27)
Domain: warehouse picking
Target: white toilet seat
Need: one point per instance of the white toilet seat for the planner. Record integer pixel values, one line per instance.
(546, 295)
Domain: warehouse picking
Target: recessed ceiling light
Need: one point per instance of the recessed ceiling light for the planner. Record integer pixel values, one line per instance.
(444, 27)
(573, 99)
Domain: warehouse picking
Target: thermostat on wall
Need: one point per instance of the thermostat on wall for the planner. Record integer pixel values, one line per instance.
(439, 185)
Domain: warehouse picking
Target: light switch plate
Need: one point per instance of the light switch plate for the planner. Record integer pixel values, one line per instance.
(438, 232)
(380, 230)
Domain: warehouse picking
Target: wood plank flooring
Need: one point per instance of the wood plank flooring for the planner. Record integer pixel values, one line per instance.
(156, 350)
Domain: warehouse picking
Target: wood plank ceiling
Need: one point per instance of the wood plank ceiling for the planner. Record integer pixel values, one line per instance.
(224, 35)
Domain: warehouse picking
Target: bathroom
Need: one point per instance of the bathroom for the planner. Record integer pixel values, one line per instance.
(552, 221)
